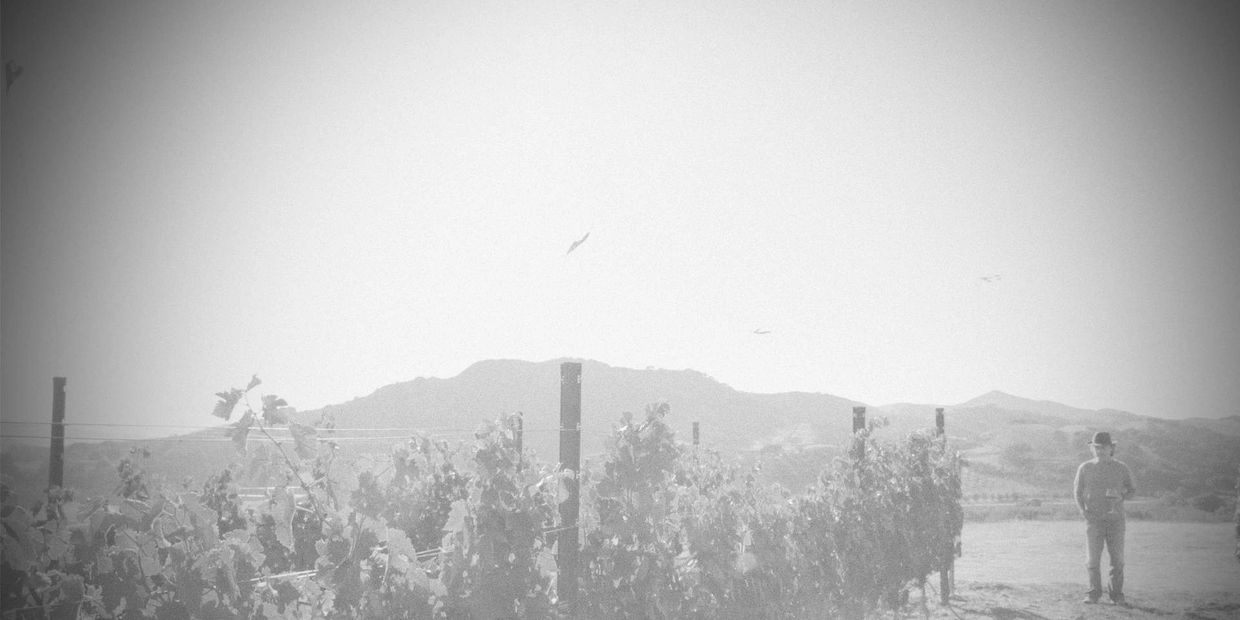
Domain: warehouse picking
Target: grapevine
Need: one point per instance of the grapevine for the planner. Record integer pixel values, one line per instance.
(470, 531)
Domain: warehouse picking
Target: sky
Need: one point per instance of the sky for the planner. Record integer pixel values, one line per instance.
(341, 196)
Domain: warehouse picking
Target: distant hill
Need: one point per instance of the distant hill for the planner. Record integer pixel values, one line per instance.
(1007, 439)
(1229, 425)
(729, 420)
(1003, 400)
(1038, 444)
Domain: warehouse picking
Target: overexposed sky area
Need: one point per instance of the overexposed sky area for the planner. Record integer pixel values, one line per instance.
(339, 196)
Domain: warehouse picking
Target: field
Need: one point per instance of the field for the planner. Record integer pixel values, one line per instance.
(1032, 570)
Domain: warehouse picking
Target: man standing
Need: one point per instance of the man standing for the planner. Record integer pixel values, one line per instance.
(1102, 484)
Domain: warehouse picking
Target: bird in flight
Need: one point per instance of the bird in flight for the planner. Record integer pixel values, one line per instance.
(11, 71)
(761, 332)
(575, 244)
(991, 278)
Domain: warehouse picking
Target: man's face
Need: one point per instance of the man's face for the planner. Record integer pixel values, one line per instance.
(1103, 452)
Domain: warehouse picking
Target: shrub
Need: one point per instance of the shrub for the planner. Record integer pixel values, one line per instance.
(1207, 503)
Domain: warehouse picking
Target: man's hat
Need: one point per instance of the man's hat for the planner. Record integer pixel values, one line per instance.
(1102, 439)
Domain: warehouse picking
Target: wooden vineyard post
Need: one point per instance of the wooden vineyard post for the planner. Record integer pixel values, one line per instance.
(570, 458)
(695, 434)
(947, 568)
(520, 440)
(855, 609)
(56, 465)
(857, 426)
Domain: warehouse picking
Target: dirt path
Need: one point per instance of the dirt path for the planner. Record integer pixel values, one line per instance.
(1063, 602)
(1034, 570)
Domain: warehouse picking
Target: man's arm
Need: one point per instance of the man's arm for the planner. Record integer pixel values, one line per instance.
(1130, 487)
(1078, 488)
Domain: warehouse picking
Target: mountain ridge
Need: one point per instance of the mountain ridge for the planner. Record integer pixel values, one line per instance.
(998, 398)
(991, 430)
(1004, 437)
(489, 388)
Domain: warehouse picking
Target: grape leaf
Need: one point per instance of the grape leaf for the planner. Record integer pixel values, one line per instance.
(228, 401)
(400, 550)
(67, 610)
(89, 507)
(205, 521)
(114, 588)
(282, 511)
(227, 570)
(562, 491)
(22, 541)
(134, 509)
(57, 545)
(241, 430)
(141, 546)
(154, 511)
(456, 518)
(304, 439)
(72, 588)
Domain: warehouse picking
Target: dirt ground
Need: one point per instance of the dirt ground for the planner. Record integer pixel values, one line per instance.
(1035, 570)
(975, 600)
